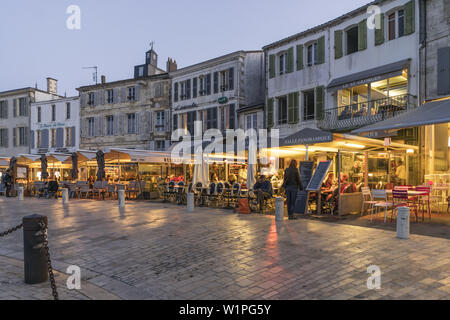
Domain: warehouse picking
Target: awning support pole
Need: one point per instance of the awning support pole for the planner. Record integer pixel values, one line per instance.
(339, 181)
(306, 152)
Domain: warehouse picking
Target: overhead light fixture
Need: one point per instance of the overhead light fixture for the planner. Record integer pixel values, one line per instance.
(410, 151)
(354, 145)
(449, 142)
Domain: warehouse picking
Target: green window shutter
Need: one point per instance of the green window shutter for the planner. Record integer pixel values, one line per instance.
(272, 66)
(269, 112)
(290, 60)
(320, 103)
(338, 44)
(379, 33)
(296, 107)
(362, 35)
(299, 57)
(290, 108)
(321, 49)
(410, 17)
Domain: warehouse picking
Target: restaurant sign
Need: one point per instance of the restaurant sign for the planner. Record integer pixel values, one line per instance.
(222, 100)
(308, 136)
(52, 125)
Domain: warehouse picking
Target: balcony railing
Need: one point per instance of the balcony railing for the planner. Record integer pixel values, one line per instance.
(357, 115)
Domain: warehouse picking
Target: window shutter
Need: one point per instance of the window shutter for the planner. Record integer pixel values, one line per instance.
(73, 138)
(290, 108)
(167, 120)
(216, 82)
(379, 33)
(272, 66)
(175, 92)
(27, 106)
(296, 107)
(410, 17)
(208, 84)
(152, 145)
(44, 137)
(96, 98)
(231, 79)
(188, 89)
(150, 121)
(362, 35)
(115, 95)
(31, 139)
(443, 71)
(102, 97)
(290, 60)
(14, 137)
(123, 94)
(122, 124)
(321, 50)
(338, 53)
(6, 142)
(82, 124)
(194, 88)
(270, 112)
(59, 137)
(320, 103)
(138, 92)
(299, 57)
(6, 109)
(83, 100)
(15, 108)
(175, 122)
(101, 124)
(137, 122)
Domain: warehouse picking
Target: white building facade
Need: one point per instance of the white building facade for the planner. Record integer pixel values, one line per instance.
(224, 93)
(345, 74)
(55, 126)
(15, 107)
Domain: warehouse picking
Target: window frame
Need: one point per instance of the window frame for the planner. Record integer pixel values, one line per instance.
(131, 117)
(305, 116)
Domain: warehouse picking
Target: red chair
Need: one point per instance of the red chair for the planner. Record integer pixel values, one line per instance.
(424, 200)
(401, 199)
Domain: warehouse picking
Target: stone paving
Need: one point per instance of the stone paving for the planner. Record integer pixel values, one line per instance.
(159, 251)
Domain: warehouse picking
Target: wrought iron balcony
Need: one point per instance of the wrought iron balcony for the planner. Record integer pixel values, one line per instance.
(358, 115)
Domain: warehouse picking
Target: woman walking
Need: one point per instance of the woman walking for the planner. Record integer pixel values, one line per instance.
(292, 184)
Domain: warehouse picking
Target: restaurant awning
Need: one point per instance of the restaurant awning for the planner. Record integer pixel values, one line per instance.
(134, 155)
(307, 136)
(430, 113)
(88, 154)
(59, 157)
(368, 76)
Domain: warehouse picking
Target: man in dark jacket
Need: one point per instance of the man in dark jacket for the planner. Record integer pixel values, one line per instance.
(292, 184)
(8, 183)
(263, 189)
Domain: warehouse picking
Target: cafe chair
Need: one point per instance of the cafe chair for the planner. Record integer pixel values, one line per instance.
(180, 193)
(219, 194)
(380, 197)
(367, 199)
(330, 203)
(235, 194)
(110, 190)
(401, 199)
(84, 189)
(212, 195)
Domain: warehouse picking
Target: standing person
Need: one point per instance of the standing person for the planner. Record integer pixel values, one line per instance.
(400, 173)
(8, 182)
(292, 184)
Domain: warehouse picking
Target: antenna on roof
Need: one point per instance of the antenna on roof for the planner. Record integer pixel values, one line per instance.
(35, 85)
(95, 74)
(152, 44)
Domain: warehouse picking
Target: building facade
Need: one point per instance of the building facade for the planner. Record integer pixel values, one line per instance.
(15, 106)
(224, 93)
(55, 126)
(345, 73)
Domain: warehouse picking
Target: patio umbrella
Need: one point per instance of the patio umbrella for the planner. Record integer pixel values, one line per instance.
(101, 166)
(12, 167)
(74, 171)
(44, 172)
(201, 173)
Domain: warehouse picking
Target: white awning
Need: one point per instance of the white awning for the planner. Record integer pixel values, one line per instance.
(132, 155)
(90, 155)
(29, 157)
(59, 157)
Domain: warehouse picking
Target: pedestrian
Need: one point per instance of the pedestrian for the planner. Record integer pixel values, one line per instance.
(292, 184)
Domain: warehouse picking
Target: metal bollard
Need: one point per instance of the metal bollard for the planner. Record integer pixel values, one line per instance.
(35, 260)
(279, 209)
(190, 202)
(20, 193)
(403, 217)
(122, 198)
(65, 196)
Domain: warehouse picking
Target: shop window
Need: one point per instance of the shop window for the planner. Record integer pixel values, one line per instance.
(282, 110)
(352, 40)
(308, 105)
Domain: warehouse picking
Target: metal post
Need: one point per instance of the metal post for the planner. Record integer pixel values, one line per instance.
(20, 193)
(121, 198)
(190, 202)
(35, 260)
(339, 181)
(65, 195)
(279, 209)
(403, 218)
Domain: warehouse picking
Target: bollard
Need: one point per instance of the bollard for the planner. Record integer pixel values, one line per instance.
(65, 196)
(34, 257)
(190, 202)
(279, 209)
(403, 217)
(20, 193)
(122, 198)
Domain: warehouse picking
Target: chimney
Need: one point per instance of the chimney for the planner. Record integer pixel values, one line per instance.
(52, 86)
(103, 79)
(171, 65)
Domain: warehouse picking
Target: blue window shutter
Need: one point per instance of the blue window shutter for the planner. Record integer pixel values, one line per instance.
(59, 137)
(83, 100)
(115, 95)
(73, 138)
(208, 84)
(216, 82)
(32, 139)
(44, 137)
(175, 92)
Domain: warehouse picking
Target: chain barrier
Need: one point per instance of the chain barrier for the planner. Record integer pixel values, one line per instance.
(7, 232)
(49, 261)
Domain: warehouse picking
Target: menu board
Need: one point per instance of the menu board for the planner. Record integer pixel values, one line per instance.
(306, 170)
(319, 175)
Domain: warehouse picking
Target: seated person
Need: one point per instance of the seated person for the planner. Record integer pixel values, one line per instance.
(329, 183)
(52, 189)
(263, 190)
